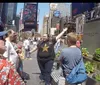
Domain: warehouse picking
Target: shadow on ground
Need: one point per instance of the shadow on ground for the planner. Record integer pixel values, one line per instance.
(26, 76)
(36, 73)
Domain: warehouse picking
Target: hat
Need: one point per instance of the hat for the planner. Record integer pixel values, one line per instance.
(3, 33)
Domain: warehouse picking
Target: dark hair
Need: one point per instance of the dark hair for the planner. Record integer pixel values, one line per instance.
(1, 38)
(9, 32)
(35, 39)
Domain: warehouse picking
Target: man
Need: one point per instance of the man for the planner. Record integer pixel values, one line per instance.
(10, 52)
(70, 56)
(46, 55)
(26, 45)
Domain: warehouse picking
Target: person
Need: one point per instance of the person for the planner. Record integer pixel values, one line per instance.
(46, 55)
(10, 52)
(70, 56)
(26, 45)
(18, 49)
(35, 42)
(8, 74)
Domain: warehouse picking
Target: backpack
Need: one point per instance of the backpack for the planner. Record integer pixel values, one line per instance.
(78, 74)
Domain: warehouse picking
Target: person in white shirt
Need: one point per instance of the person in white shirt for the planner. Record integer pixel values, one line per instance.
(34, 42)
(26, 45)
(10, 52)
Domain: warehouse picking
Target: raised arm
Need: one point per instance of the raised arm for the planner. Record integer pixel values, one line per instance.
(64, 30)
(34, 49)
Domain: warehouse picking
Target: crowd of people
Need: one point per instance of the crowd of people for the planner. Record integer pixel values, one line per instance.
(11, 64)
(70, 58)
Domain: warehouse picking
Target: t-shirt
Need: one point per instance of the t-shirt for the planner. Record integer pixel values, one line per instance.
(46, 50)
(10, 53)
(26, 44)
(8, 74)
(34, 43)
(69, 58)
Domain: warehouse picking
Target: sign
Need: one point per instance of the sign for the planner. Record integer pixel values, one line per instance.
(80, 24)
(30, 15)
(56, 13)
(79, 8)
(52, 31)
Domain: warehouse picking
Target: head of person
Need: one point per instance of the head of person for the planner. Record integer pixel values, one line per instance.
(2, 42)
(45, 37)
(12, 35)
(71, 38)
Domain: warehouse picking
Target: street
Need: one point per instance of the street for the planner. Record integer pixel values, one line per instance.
(31, 68)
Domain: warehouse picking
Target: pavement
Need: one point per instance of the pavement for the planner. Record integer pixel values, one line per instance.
(32, 71)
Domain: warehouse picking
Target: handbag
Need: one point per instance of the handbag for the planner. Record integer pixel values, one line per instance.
(78, 74)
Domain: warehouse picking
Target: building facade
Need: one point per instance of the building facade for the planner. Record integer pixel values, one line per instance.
(45, 24)
(4, 13)
(1, 5)
(9, 12)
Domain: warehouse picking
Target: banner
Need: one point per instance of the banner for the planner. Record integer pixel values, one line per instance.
(79, 8)
(30, 16)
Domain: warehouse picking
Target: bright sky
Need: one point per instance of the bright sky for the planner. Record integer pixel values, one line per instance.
(44, 9)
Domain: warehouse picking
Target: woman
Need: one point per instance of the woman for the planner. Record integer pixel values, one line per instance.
(8, 74)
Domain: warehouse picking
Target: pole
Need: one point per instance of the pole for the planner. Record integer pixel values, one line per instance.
(49, 19)
(47, 25)
(38, 18)
(38, 15)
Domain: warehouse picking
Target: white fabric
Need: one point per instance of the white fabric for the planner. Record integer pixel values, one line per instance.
(26, 44)
(57, 45)
(61, 81)
(11, 54)
(34, 43)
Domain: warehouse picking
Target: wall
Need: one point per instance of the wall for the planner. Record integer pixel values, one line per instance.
(91, 37)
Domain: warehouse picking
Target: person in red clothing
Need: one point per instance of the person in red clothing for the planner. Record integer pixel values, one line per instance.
(8, 73)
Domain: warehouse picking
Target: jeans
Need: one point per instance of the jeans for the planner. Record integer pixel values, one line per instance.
(45, 68)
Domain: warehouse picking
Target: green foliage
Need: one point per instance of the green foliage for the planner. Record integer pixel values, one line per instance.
(90, 67)
(97, 54)
(57, 54)
(85, 52)
(97, 77)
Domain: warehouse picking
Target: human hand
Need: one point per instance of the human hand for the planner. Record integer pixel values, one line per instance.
(65, 29)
